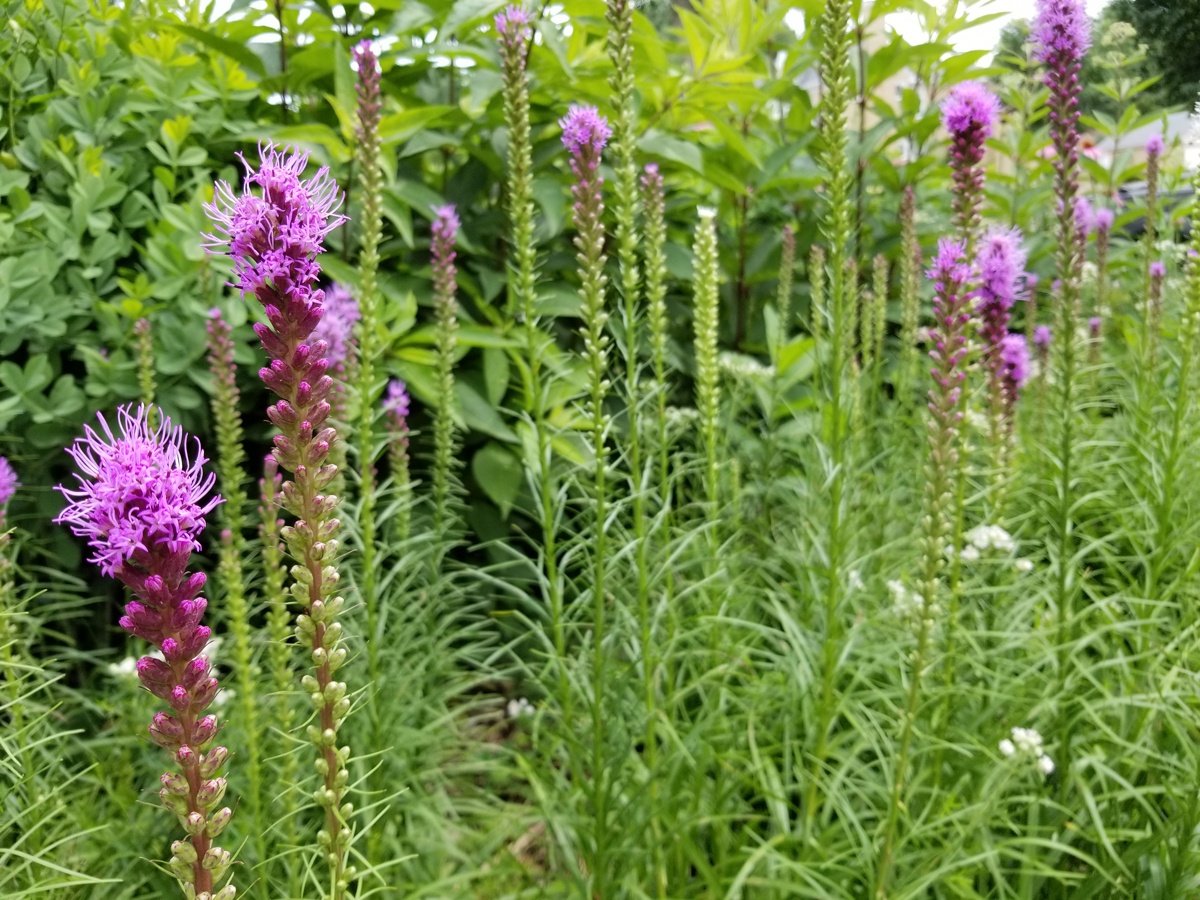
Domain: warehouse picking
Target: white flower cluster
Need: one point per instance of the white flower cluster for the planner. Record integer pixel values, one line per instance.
(984, 539)
(518, 708)
(738, 365)
(1026, 743)
(908, 604)
(682, 416)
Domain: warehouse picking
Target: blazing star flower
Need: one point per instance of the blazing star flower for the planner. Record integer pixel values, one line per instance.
(1085, 218)
(1095, 326)
(276, 235)
(1157, 269)
(1103, 220)
(396, 403)
(336, 328)
(584, 131)
(1014, 355)
(1041, 337)
(8, 481)
(1001, 261)
(1155, 146)
(139, 491)
(970, 109)
(969, 114)
(1061, 31)
(513, 20)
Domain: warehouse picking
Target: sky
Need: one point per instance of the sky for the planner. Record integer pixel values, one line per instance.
(983, 37)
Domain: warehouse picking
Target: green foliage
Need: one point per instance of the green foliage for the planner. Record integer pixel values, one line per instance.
(686, 680)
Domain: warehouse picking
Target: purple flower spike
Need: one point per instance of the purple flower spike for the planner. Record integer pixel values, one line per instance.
(1085, 218)
(1157, 269)
(1061, 30)
(8, 483)
(139, 493)
(397, 402)
(1041, 337)
(969, 114)
(512, 21)
(336, 328)
(274, 236)
(1103, 220)
(1155, 146)
(970, 109)
(141, 503)
(585, 131)
(1001, 262)
(1095, 326)
(1014, 353)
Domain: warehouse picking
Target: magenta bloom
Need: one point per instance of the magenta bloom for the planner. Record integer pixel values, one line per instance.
(969, 114)
(1061, 30)
(1157, 269)
(138, 492)
(8, 481)
(1014, 354)
(274, 237)
(512, 20)
(584, 129)
(1001, 262)
(1031, 280)
(336, 328)
(1085, 219)
(1103, 220)
(397, 401)
(1095, 326)
(445, 223)
(970, 110)
(1041, 337)
(1155, 146)
(949, 275)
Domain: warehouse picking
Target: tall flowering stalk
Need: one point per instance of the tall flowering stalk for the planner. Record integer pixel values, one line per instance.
(1061, 36)
(950, 275)
(706, 312)
(1000, 262)
(836, 231)
(969, 114)
(231, 460)
(279, 653)
(445, 231)
(370, 175)
(274, 237)
(140, 499)
(654, 203)
(1154, 151)
(585, 134)
(512, 29)
(396, 408)
(910, 296)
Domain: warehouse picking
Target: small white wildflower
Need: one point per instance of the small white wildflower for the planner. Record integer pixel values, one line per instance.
(1024, 565)
(518, 707)
(990, 537)
(1046, 765)
(854, 581)
(905, 603)
(738, 365)
(1007, 748)
(1028, 740)
(970, 553)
